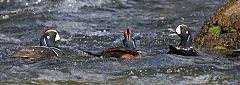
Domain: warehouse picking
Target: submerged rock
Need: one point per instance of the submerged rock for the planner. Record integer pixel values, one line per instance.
(226, 18)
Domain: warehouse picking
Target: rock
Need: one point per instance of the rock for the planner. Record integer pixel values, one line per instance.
(228, 18)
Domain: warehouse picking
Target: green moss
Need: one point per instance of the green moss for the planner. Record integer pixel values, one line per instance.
(220, 48)
(233, 30)
(215, 29)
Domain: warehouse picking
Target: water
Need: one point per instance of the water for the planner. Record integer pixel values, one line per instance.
(97, 24)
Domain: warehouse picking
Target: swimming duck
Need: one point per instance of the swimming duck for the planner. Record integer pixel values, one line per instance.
(128, 41)
(234, 53)
(128, 50)
(47, 47)
(185, 47)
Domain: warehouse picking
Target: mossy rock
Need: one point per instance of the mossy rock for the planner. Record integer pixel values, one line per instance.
(220, 48)
(215, 29)
(227, 18)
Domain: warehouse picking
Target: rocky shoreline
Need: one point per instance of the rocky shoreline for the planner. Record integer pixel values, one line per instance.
(222, 29)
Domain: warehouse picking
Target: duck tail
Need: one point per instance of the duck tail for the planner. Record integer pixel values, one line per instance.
(92, 53)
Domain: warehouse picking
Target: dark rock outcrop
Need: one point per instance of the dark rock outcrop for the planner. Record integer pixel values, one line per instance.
(227, 17)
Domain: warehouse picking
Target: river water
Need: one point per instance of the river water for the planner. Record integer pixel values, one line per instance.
(97, 24)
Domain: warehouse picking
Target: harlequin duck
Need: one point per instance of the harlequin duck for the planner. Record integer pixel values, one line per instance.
(128, 50)
(185, 47)
(47, 47)
(234, 53)
(128, 41)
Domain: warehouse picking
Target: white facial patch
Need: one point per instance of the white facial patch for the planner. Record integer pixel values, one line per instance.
(57, 37)
(178, 29)
(186, 32)
(48, 37)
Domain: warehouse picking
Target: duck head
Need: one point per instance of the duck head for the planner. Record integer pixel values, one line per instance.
(184, 32)
(49, 38)
(128, 41)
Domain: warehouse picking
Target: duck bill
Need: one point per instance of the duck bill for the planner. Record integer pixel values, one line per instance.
(172, 32)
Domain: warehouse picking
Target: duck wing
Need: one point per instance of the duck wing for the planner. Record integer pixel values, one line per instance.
(119, 52)
(34, 53)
